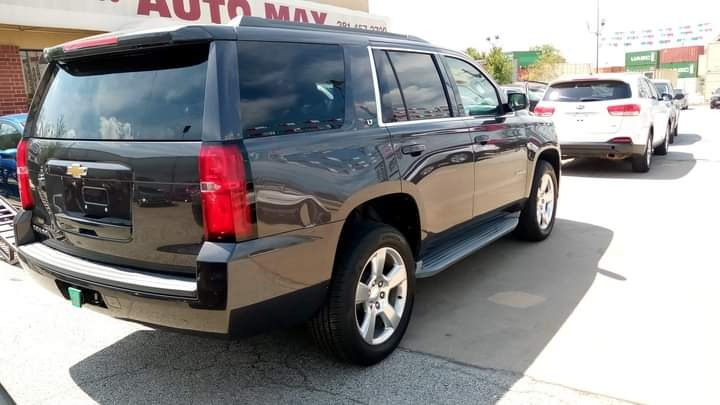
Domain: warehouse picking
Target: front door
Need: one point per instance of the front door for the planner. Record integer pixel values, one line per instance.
(499, 140)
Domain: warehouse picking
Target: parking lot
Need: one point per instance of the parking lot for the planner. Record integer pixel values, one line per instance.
(620, 304)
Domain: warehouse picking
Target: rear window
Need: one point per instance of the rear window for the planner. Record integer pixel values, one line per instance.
(159, 95)
(662, 88)
(582, 91)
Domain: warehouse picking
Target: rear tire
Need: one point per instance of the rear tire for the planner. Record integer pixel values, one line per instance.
(642, 163)
(337, 328)
(662, 150)
(537, 218)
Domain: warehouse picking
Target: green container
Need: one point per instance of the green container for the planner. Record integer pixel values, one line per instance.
(526, 58)
(685, 70)
(641, 68)
(646, 58)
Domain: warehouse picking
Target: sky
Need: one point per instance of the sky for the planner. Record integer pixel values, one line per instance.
(458, 24)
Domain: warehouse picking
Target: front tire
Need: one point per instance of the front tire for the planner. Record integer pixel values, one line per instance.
(537, 218)
(370, 299)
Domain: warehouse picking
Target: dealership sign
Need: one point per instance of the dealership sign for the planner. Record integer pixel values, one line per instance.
(641, 58)
(114, 15)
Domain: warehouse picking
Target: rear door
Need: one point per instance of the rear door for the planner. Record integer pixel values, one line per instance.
(435, 153)
(113, 157)
(661, 111)
(581, 108)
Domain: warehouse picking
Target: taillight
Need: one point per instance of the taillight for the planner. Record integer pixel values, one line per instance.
(543, 111)
(624, 110)
(621, 139)
(223, 186)
(92, 42)
(23, 177)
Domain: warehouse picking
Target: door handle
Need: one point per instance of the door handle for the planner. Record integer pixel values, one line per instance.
(415, 149)
(482, 139)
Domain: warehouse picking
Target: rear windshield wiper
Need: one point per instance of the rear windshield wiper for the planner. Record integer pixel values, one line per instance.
(590, 99)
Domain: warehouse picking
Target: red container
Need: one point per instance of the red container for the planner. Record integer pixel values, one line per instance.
(678, 55)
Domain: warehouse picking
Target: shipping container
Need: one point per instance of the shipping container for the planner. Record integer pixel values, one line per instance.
(713, 57)
(685, 69)
(645, 58)
(665, 74)
(702, 65)
(641, 68)
(679, 55)
(612, 69)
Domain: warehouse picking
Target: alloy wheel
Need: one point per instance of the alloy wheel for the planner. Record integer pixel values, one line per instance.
(545, 201)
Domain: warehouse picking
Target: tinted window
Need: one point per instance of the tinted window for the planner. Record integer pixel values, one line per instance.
(9, 136)
(289, 88)
(651, 88)
(580, 91)
(421, 86)
(662, 88)
(153, 96)
(476, 92)
(393, 107)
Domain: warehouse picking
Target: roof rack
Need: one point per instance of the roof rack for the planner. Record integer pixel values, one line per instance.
(258, 22)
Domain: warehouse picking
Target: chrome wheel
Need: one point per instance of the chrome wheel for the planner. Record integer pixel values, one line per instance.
(545, 201)
(380, 296)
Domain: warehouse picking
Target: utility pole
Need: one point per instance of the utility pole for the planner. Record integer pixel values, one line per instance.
(599, 25)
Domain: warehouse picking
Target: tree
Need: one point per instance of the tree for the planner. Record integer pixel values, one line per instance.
(475, 54)
(499, 66)
(543, 70)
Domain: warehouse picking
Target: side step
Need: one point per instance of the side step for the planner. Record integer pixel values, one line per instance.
(441, 257)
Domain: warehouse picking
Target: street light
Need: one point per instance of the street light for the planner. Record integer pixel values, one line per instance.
(600, 24)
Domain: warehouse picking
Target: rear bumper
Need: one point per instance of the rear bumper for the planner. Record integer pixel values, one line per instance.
(601, 150)
(240, 289)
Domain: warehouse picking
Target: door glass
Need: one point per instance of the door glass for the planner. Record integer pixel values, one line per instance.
(393, 107)
(422, 89)
(478, 95)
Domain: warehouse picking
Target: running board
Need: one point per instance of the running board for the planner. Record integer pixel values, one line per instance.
(441, 257)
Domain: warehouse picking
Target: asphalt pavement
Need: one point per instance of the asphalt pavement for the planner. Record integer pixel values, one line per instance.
(620, 304)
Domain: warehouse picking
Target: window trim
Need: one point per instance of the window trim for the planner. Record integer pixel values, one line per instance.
(376, 84)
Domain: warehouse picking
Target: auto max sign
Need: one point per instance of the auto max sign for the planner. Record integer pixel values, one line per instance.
(114, 15)
(648, 58)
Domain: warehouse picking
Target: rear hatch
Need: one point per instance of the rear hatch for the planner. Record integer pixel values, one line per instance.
(579, 109)
(113, 157)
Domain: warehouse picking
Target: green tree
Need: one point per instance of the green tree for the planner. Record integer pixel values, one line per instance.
(543, 70)
(475, 54)
(499, 66)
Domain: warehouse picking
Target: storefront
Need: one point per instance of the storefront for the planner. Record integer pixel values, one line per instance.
(28, 26)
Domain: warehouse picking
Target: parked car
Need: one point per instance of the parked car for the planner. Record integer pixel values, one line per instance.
(609, 116)
(533, 90)
(681, 99)
(665, 90)
(407, 163)
(715, 100)
(11, 129)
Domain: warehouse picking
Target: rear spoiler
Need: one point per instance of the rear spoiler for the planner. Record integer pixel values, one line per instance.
(133, 40)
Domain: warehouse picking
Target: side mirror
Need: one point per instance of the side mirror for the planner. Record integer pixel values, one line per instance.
(666, 97)
(518, 101)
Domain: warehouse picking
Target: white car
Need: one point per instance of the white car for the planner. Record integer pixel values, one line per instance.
(609, 116)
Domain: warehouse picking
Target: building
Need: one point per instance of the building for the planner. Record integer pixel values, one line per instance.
(29, 26)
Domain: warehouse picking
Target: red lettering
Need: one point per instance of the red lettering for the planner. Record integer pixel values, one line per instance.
(215, 10)
(158, 6)
(271, 13)
(318, 17)
(300, 15)
(234, 5)
(190, 15)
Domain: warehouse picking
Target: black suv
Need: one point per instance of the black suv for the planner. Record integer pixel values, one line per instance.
(235, 179)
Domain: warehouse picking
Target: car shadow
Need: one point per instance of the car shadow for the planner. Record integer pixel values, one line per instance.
(496, 310)
(673, 166)
(686, 139)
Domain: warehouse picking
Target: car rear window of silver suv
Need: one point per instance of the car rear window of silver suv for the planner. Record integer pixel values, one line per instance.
(587, 91)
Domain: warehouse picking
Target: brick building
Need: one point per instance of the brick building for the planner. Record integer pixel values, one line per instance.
(29, 26)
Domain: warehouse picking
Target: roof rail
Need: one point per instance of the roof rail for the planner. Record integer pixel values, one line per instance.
(245, 21)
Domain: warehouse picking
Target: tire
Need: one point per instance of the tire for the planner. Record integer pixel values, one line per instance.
(533, 226)
(337, 327)
(662, 150)
(642, 163)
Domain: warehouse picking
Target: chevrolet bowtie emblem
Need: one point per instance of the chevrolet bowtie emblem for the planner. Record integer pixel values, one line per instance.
(76, 171)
